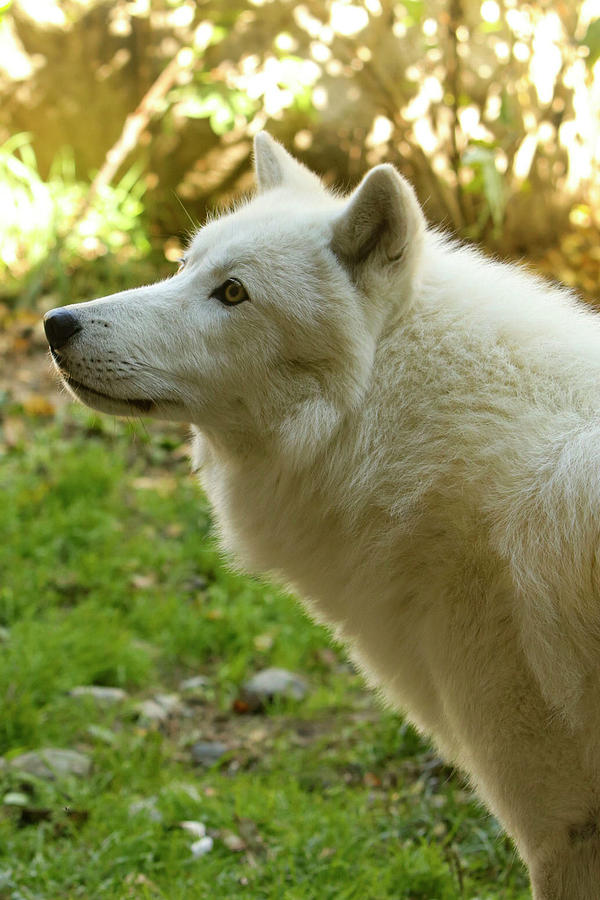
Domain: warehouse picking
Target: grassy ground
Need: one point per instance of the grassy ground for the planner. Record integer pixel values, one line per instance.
(110, 575)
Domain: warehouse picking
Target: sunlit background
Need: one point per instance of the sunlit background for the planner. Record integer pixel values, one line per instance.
(115, 115)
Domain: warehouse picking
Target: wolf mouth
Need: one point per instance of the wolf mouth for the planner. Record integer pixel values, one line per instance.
(143, 404)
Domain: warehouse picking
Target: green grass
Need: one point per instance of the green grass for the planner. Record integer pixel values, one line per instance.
(110, 575)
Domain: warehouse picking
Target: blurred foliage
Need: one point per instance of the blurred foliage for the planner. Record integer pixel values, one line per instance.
(488, 106)
(38, 213)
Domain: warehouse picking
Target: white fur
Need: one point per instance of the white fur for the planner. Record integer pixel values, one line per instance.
(408, 434)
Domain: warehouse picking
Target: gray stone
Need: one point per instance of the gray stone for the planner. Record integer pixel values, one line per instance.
(171, 703)
(151, 711)
(195, 685)
(208, 752)
(52, 763)
(104, 696)
(15, 798)
(270, 683)
(147, 806)
(159, 708)
(202, 847)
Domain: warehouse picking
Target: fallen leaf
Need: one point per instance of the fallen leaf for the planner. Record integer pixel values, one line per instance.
(13, 431)
(162, 484)
(141, 880)
(142, 581)
(263, 642)
(77, 816)
(38, 405)
(175, 529)
(370, 779)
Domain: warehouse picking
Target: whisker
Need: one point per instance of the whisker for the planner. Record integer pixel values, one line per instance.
(195, 225)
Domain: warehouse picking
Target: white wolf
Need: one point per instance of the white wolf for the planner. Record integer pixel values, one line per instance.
(408, 434)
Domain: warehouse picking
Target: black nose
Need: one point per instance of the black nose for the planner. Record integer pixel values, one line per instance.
(60, 325)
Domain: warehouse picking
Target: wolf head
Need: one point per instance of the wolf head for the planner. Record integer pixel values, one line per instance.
(268, 330)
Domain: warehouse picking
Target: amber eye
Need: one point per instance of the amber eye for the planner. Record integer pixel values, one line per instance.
(231, 292)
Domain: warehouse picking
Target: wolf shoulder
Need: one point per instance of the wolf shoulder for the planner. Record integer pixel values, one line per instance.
(492, 344)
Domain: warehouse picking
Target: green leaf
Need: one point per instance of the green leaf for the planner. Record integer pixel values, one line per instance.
(591, 40)
(482, 160)
(415, 10)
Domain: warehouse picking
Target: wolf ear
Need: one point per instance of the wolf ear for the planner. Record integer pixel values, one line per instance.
(382, 222)
(275, 167)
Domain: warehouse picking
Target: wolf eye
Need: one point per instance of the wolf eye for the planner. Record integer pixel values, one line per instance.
(181, 264)
(231, 292)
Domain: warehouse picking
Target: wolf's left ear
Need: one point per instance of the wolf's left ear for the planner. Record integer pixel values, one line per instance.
(381, 223)
(275, 167)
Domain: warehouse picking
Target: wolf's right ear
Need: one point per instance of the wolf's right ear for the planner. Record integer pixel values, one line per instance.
(275, 167)
(382, 224)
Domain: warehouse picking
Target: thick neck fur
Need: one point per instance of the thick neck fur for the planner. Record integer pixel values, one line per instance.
(477, 413)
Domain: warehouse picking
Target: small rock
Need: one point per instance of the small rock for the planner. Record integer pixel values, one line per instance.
(270, 683)
(233, 842)
(159, 708)
(15, 798)
(52, 762)
(148, 807)
(169, 702)
(104, 696)
(202, 847)
(208, 752)
(151, 711)
(195, 685)
(196, 829)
